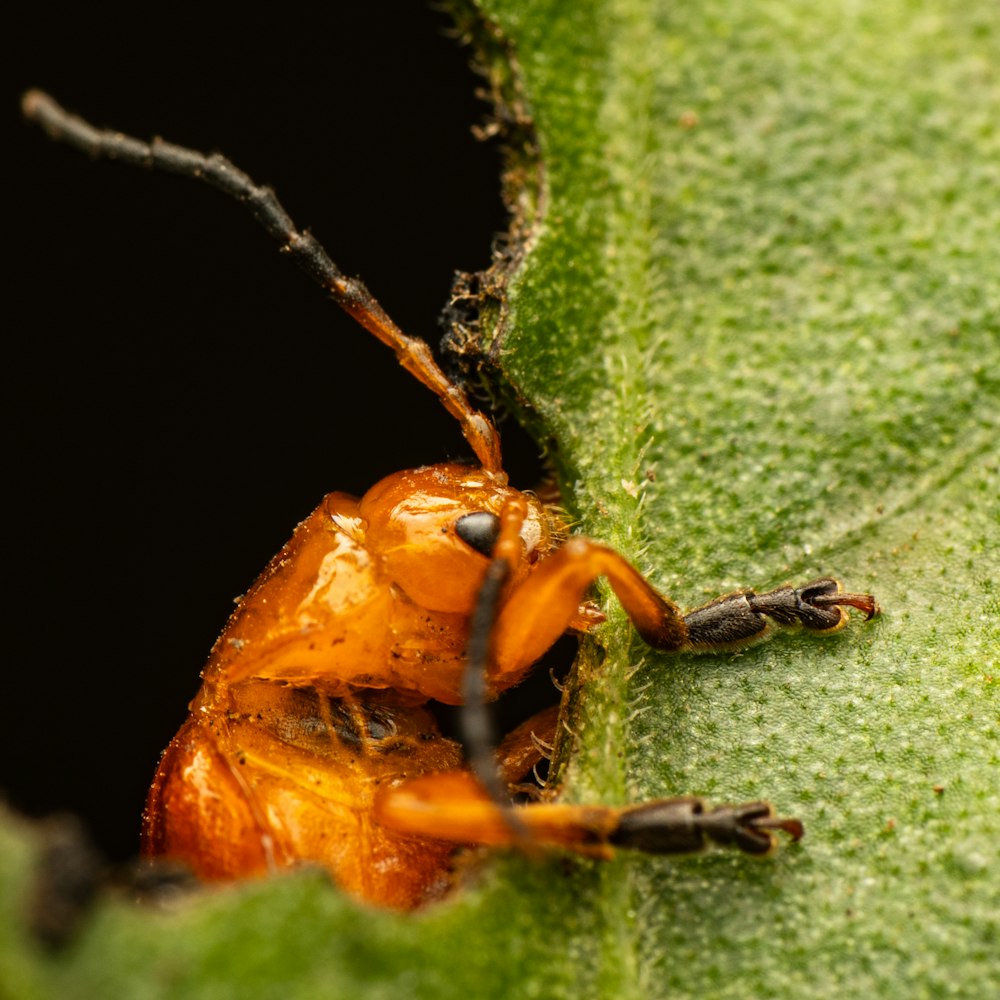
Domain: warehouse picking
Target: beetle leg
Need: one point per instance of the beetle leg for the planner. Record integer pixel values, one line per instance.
(522, 749)
(682, 825)
(541, 608)
(452, 806)
(349, 293)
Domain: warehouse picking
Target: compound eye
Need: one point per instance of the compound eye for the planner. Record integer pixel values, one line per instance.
(479, 531)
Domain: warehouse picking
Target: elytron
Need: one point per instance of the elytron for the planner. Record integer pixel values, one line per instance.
(312, 738)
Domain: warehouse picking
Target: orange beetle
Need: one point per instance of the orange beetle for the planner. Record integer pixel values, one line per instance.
(311, 737)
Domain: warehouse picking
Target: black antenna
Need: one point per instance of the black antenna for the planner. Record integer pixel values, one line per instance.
(350, 294)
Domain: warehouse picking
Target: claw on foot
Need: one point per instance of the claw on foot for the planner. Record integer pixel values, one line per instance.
(793, 827)
(827, 597)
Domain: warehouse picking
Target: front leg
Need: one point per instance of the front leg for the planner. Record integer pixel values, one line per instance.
(542, 607)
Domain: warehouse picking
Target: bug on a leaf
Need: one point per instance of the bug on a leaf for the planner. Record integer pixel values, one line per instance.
(313, 739)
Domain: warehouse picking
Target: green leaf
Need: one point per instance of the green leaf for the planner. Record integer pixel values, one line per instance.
(758, 322)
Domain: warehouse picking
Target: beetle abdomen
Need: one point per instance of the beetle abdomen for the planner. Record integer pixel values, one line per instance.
(288, 777)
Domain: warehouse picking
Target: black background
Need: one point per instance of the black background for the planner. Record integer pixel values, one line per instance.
(176, 395)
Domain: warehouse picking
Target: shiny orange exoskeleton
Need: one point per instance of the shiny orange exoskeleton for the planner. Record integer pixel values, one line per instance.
(311, 739)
